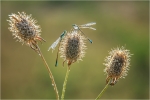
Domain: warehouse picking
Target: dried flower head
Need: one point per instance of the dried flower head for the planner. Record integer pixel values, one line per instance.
(117, 65)
(72, 47)
(24, 28)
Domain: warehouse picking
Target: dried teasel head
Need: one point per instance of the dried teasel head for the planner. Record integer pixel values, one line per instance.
(24, 28)
(72, 47)
(117, 65)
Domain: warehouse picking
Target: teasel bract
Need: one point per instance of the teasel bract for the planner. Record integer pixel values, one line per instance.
(24, 28)
(117, 65)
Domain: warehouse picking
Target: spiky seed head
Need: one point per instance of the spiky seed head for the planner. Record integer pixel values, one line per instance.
(117, 64)
(72, 47)
(24, 28)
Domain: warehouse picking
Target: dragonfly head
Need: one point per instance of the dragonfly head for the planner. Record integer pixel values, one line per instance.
(75, 26)
(64, 32)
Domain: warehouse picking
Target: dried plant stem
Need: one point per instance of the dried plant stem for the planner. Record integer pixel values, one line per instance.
(106, 86)
(65, 82)
(50, 73)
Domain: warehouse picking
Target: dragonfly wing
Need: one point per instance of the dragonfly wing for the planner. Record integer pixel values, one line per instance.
(54, 44)
(92, 28)
(88, 24)
(89, 28)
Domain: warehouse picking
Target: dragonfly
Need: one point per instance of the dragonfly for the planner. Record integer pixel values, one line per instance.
(53, 46)
(88, 25)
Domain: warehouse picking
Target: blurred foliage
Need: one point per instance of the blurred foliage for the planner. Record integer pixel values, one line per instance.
(24, 75)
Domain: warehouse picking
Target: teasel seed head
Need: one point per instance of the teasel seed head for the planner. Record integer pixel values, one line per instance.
(117, 65)
(24, 28)
(72, 47)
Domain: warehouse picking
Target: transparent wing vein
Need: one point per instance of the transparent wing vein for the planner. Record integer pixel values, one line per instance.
(54, 44)
(89, 28)
(88, 24)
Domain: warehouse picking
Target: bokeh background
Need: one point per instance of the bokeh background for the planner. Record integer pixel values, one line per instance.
(24, 76)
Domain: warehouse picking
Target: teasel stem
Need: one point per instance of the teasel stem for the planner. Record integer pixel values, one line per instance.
(65, 83)
(101, 93)
(49, 71)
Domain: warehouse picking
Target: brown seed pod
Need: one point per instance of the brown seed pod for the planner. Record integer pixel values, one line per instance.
(24, 28)
(72, 47)
(117, 65)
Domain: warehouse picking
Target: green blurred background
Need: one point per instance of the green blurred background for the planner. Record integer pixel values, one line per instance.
(24, 75)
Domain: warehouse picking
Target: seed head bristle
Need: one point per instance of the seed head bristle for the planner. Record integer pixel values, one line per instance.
(24, 29)
(117, 65)
(72, 47)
